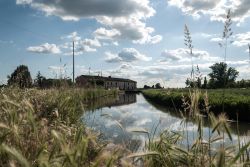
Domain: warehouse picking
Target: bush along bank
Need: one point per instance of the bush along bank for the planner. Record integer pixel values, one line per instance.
(236, 103)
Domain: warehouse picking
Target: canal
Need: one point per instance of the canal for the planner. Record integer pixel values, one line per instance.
(126, 119)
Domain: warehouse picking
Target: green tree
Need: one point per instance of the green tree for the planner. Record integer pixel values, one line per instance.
(221, 76)
(205, 83)
(40, 80)
(198, 82)
(158, 86)
(20, 77)
(146, 87)
(189, 83)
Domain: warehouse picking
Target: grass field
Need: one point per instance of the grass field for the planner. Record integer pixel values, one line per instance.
(234, 100)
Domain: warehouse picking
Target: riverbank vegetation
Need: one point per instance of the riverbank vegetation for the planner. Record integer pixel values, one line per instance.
(235, 101)
(43, 128)
(173, 148)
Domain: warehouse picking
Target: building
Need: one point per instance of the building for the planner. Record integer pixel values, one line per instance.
(106, 82)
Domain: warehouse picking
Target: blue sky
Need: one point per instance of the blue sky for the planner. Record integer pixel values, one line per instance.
(137, 39)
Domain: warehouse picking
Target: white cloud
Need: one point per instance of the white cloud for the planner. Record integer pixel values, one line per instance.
(103, 33)
(81, 45)
(73, 36)
(126, 55)
(205, 35)
(242, 39)
(45, 49)
(115, 43)
(131, 54)
(91, 42)
(112, 58)
(215, 9)
(86, 48)
(124, 18)
(182, 55)
(195, 8)
(130, 28)
(19, 2)
(216, 39)
(68, 10)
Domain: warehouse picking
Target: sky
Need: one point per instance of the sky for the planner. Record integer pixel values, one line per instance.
(142, 40)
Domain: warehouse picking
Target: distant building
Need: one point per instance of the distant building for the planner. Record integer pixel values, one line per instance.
(106, 82)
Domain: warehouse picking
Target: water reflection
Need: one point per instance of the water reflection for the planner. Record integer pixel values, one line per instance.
(119, 118)
(244, 127)
(124, 99)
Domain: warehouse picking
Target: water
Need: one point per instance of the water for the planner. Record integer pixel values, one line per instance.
(117, 119)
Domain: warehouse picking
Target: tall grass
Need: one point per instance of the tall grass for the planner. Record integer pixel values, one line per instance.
(42, 128)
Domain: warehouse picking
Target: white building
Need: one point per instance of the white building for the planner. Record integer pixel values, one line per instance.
(106, 82)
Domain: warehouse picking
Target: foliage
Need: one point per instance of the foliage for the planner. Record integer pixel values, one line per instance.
(204, 86)
(146, 87)
(20, 77)
(221, 76)
(242, 84)
(158, 86)
(43, 82)
(40, 80)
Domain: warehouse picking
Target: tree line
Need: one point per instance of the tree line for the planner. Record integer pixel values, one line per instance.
(21, 78)
(221, 76)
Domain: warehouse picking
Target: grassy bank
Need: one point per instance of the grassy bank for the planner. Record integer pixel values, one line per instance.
(235, 100)
(42, 128)
(173, 148)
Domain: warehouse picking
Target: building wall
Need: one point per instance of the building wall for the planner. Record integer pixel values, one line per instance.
(120, 84)
(108, 84)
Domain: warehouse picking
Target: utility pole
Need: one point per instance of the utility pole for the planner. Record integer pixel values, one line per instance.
(73, 62)
(249, 52)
